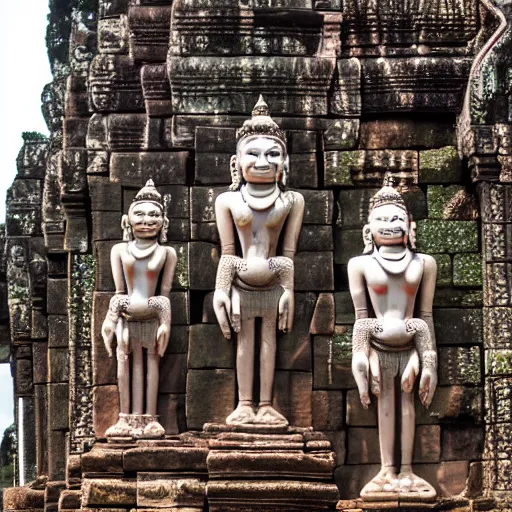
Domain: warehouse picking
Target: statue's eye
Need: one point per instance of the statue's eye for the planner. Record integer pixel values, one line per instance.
(274, 154)
(253, 153)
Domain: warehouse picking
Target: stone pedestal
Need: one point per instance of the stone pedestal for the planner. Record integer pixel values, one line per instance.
(264, 468)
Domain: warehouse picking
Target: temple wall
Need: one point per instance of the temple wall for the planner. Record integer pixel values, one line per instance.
(154, 89)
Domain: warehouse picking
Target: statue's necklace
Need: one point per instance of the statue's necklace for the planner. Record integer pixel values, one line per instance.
(141, 254)
(260, 203)
(394, 266)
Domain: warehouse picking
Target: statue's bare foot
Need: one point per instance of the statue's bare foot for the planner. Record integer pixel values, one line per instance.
(383, 487)
(242, 415)
(153, 430)
(121, 429)
(267, 415)
(414, 488)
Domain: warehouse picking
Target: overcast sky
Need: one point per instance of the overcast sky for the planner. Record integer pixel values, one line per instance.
(25, 71)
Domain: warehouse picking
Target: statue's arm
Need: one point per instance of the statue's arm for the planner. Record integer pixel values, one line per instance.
(426, 296)
(225, 225)
(168, 272)
(293, 225)
(117, 268)
(357, 286)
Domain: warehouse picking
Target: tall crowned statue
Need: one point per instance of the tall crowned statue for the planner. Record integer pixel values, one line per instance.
(137, 316)
(258, 284)
(396, 346)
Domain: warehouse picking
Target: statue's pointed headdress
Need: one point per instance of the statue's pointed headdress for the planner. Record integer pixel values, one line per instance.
(260, 124)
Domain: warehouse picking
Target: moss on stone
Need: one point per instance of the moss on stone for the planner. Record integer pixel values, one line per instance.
(444, 269)
(438, 197)
(498, 362)
(181, 273)
(467, 270)
(439, 165)
(338, 165)
(342, 345)
(447, 236)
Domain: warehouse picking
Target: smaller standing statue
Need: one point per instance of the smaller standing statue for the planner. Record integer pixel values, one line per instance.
(399, 343)
(259, 284)
(137, 316)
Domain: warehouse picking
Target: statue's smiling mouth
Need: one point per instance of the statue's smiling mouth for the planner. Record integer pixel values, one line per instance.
(391, 232)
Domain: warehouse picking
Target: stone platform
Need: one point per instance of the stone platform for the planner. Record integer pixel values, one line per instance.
(222, 468)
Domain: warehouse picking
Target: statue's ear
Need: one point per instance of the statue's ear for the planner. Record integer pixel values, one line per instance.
(236, 179)
(284, 175)
(162, 238)
(127, 229)
(367, 239)
(412, 234)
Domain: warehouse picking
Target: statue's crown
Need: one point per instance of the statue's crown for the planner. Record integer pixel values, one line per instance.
(148, 193)
(387, 195)
(260, 124)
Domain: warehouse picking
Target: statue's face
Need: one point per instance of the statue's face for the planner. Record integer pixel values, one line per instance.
(261, 159)
(146, 220)
(389, 225)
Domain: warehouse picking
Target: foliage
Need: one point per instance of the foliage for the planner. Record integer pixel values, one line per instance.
(8, 446)
(33, 137)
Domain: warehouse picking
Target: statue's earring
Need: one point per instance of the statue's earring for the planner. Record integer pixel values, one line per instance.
(412, 235)
(127, 229)
(236, 180)
(162, 238)
(367, 239)
(284, 175)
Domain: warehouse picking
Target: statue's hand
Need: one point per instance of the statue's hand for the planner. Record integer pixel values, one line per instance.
(286, 311)
(222, 308)
(162, 339)
(107, 332)
(361, 370)
(428, 384)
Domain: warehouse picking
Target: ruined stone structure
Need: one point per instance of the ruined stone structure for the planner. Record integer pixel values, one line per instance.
(155, 89)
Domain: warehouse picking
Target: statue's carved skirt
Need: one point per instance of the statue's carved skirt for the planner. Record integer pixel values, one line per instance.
(393, 364)
(259, 303)
(142, 333)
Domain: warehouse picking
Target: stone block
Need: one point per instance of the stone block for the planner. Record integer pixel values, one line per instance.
(56, 455)
(105, 408)
(202, 203)
(127, 132)
(105, 195)
(451, 403)
(348, 243)
(462, 442)
(171, 412)
(113, 35)
(342, 134)
(294, 348)
(203, 260)
(357, 416)
(180, 308)
(212, 139)
(351, 479)
(23, 498)
(344, 308)
(109, 492)
(459, 365)
(292, 396)
(209, 349)
(314, 271)
(450, 298)
(324, 315)
(58, 331)
(40, 362)
(23, 377)
(467, 270)
(319, 206)
(210, 396)
(301, 141)
(70, 500)
(181, 271)
(440, 165)
(212, 169)
(102, 459)
(178, 343)
(157, 90)
(448, 478)
(338, 439)
(315, 238)
(58, 406)
(165, 490)
(427, 443)
(104, 279)
(189, 459)
(303, 171)
(498, 328)
(173, 373)
(106, 226)
(353, 207)
(438, 236)
(333, 360)
(74, 131)
(57, 297)
(363, 446)
(402, 133)
(164, 168)
(327, 410)
(58, 365)
(444, 269)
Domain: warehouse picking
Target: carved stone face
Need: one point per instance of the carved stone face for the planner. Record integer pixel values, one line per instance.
(261, 159)
(146, 219)
(389, 225)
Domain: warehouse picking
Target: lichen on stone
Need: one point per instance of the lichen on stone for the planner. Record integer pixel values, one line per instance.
(467, 270)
